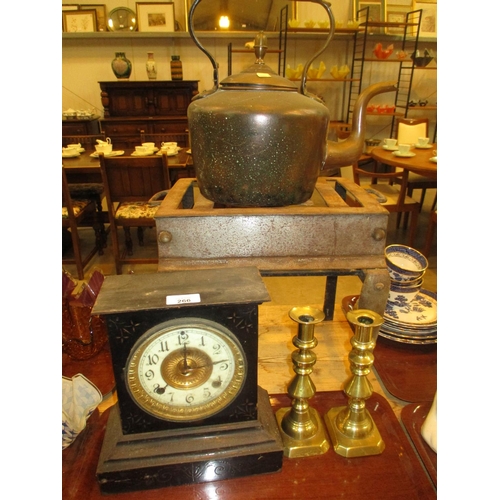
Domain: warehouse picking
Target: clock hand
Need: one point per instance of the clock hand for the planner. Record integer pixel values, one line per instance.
(185, 358)
(158, 389)
(203, 366)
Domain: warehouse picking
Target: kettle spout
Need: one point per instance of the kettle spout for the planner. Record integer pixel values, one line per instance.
(341, 154)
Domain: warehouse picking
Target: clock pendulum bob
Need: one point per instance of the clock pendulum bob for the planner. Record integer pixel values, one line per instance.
(184, 351)
(301, 426)
(352, 429)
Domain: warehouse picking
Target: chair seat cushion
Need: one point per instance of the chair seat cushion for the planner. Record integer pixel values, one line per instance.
(78, 206)
(137, 210)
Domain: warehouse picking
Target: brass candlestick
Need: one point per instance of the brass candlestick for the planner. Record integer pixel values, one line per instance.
(351, 428)
(301, 427)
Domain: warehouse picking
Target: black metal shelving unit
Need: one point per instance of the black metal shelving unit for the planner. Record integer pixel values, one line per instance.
(410, 34)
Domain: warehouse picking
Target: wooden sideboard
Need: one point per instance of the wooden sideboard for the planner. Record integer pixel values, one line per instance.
(78, 126)
(153, 106)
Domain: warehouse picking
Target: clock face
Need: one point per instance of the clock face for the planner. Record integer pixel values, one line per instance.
(185, 369)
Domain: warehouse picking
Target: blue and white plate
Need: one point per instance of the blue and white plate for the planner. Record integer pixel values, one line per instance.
(421, 311)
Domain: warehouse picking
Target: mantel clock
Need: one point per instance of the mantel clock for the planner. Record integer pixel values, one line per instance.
(184, 347)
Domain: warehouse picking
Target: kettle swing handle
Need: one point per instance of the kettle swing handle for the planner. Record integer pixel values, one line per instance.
(327, 7)
(215, 65)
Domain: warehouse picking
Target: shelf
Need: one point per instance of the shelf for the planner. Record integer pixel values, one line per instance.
(348, 31)
(383, 24)
(376, 59)
(326, 79)
(372, 113)
(422, 108)
(246, 35)
(251, 51)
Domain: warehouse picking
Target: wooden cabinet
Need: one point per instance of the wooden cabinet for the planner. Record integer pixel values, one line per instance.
(75, 126)
(154, 107)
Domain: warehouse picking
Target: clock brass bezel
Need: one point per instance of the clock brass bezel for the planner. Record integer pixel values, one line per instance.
(172, 413)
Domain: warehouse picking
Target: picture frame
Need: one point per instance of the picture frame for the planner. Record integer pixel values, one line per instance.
(155, 16)
(428, 22)
(376, 12)
(100, 12)
(396, 14)
(79, 21)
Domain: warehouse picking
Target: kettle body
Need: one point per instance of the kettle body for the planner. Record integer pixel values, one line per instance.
(259, 141)
(255, 159)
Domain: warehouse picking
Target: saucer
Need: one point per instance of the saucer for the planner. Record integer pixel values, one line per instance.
(434, 159)
(403, 155)
(390, 148)
(428, 146)
(420, 312)
(405, 340)
(70, 154)
(108, 155)
(135, 153)
(168, 154)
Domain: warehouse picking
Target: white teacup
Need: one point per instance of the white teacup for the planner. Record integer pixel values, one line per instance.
(404, 149)
(149, 145)
(168, 145)
(170, 150)
(390, 143)
(73, 146)
(423, 141)
(142, 150)
(105, 148)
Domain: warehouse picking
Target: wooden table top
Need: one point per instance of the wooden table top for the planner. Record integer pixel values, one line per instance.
(396, 473)
(419, 164)
(85, 163)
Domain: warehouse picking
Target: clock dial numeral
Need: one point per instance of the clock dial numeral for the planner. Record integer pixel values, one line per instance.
(203, 372)
(182, 338)
(153, 359)
(164, 346)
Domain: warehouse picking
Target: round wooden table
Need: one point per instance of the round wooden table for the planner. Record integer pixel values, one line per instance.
(419, 164)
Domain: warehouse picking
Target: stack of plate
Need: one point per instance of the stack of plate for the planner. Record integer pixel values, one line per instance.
(414, 322)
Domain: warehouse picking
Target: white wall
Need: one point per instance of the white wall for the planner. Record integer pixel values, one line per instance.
(87, 61)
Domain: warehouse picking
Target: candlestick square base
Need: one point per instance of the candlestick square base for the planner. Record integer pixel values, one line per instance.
(372, 444)
(298, 448)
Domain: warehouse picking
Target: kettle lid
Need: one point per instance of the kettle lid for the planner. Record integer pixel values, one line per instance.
(258, 76)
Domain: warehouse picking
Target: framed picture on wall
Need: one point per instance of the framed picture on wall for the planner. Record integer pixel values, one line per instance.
(158, 16)
(376, 12)
(100, 12)
(396, 14)
(428, 22)
(79, 21)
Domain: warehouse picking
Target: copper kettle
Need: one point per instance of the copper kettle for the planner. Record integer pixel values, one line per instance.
(258, 141)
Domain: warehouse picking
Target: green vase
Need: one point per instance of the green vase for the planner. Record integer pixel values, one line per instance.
(121, 66)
